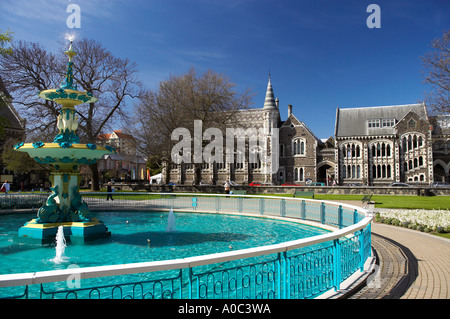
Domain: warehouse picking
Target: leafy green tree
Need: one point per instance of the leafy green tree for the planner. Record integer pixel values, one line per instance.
(5, 38)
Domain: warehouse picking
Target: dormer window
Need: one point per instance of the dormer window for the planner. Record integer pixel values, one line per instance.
(373, 123)
(379, 123)
(388, 122)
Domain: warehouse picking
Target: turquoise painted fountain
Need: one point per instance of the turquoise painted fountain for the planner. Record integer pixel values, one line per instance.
(65, 206)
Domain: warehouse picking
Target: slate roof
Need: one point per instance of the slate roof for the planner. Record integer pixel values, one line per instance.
(353, 121)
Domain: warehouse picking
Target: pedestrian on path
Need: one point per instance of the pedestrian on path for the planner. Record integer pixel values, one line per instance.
(109, 190)
(227, 187)
(5, 187)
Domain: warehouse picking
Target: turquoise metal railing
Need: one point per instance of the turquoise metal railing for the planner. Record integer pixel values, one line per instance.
(305, 268)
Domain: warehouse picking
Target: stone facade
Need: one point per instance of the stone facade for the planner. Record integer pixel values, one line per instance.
(384, 145)
(302, 157)
(441, 148)
(372, 146)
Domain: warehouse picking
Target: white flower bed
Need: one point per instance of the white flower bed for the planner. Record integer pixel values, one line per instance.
(434, 220)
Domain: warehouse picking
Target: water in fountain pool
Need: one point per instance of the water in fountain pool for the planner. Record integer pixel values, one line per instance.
(142, 237)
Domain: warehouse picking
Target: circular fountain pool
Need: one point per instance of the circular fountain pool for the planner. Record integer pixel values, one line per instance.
(143, 236)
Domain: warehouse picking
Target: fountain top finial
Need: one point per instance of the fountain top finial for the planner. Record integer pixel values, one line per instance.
(71, 53)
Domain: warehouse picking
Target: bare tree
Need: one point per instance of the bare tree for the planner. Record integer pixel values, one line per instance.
(209, 97)
(31, 69)
(437, 75)
(28, 70)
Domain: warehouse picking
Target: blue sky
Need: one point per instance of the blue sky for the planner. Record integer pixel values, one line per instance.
(321, 53)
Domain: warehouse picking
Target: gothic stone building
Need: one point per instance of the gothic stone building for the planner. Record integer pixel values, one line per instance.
(441, 148)
(381, 145)
(371, 146)
(302, 157)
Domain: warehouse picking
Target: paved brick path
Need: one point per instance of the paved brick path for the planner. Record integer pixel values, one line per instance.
(412, 264)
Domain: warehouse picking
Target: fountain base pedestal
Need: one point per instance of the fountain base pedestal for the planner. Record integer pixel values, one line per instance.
(74, 232)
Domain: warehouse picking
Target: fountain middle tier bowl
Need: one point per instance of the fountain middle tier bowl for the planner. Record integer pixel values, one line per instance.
(67, 97)
(54, 153)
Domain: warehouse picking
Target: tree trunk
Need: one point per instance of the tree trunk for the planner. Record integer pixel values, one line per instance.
(95, 186)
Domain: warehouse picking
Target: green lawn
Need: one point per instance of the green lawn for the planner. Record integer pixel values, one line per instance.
(391, 201)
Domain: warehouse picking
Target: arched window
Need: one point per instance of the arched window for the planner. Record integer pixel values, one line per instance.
(299, 146)
(388, 150)
(299, 174)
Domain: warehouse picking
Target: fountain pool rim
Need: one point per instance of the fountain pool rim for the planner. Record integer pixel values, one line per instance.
(25, 279)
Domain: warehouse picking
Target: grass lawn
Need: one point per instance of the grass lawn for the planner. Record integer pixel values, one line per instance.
(392, 201)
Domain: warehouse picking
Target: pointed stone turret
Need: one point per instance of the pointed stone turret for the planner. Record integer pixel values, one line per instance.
(269, 103)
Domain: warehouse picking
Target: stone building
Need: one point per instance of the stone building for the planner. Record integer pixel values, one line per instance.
(371, 146)
(441, 148)
(12, 127)
(381, 145)
(300, 156)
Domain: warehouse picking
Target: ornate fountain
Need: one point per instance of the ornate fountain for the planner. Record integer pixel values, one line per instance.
(65, 206)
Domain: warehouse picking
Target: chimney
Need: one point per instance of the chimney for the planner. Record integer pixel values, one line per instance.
(289, 110)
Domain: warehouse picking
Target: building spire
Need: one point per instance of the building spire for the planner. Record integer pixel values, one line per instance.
(269, 103)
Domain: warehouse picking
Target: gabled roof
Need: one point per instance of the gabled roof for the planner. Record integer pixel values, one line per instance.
(293, 120)
(118, 133)
(353, 121)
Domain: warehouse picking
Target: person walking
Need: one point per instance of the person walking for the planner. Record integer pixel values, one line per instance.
(109, 190)
(5, 187)
(227, 187)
